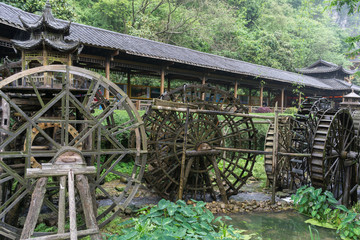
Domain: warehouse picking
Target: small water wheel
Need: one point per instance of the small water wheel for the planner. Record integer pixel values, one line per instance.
(51, 125)
(335, 156)
(197, 146)
(285, 128)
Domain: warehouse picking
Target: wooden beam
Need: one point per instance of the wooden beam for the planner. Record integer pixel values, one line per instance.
(282, 99)
(261, 95)
(107, 75)
(162, 81)
(235, 89)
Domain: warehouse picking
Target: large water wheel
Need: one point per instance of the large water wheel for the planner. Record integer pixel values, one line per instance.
(295, 135)
(335, 156)
(59, 126)
(193, 132)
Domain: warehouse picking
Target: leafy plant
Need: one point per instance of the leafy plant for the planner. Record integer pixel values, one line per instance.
(291, 110)
(178, 220)
(323, 208)
(349, 227)
(314, 202)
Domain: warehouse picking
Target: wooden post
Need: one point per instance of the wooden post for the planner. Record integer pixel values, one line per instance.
(72, 206)
(107, 75)
(275, 153)
(128, 87)
(62, 201)
(236, 89)
(168, 84)
(37, 199)
(137, 105)
(203, 82)
(282, 99)
(299, 99)
(182, 170)
(83, 187)
(162, 87)
(261, 95)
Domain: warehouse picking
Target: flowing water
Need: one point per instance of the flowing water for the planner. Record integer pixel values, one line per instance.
(280, 226)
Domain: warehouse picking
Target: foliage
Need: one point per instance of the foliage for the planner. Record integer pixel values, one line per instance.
(178, 220)
(60, 8)
(349, 227)
(314, 202)
(323, 208)
(263, 110)
(291, 110)
(123, 167)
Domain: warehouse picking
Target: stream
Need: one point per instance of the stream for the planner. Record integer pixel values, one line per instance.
(287, 225)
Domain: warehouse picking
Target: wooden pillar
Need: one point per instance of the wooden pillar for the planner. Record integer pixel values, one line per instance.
(162, 81)
(235, 89)
(282, 99)
(250, 96)
(203, 82)
(261, 95)
(107, 75)
(299, 99)
(128, 86)
(168, 84)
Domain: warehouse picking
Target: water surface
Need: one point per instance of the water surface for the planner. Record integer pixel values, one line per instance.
(280, 226)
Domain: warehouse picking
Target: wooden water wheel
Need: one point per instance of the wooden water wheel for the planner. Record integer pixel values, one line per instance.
(197, 146)
(285, 128)
(51, 124)
(335, 156)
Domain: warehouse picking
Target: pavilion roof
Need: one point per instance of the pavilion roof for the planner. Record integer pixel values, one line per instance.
(97, 37)
(322, 66)
(46, 20)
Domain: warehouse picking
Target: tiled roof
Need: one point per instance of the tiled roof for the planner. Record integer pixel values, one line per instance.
(338, 84)
(322, 66)
(156, 50)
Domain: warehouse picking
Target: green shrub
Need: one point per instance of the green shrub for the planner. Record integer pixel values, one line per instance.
(314, 202)
(349, 227)
(322, 206)
(178, 220)
(291, 110)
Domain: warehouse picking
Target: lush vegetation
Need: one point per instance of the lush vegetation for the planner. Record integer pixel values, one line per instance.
(178, 220)
(324, 210)
(284, 34)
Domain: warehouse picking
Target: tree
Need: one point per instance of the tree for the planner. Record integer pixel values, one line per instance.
(60, 8)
